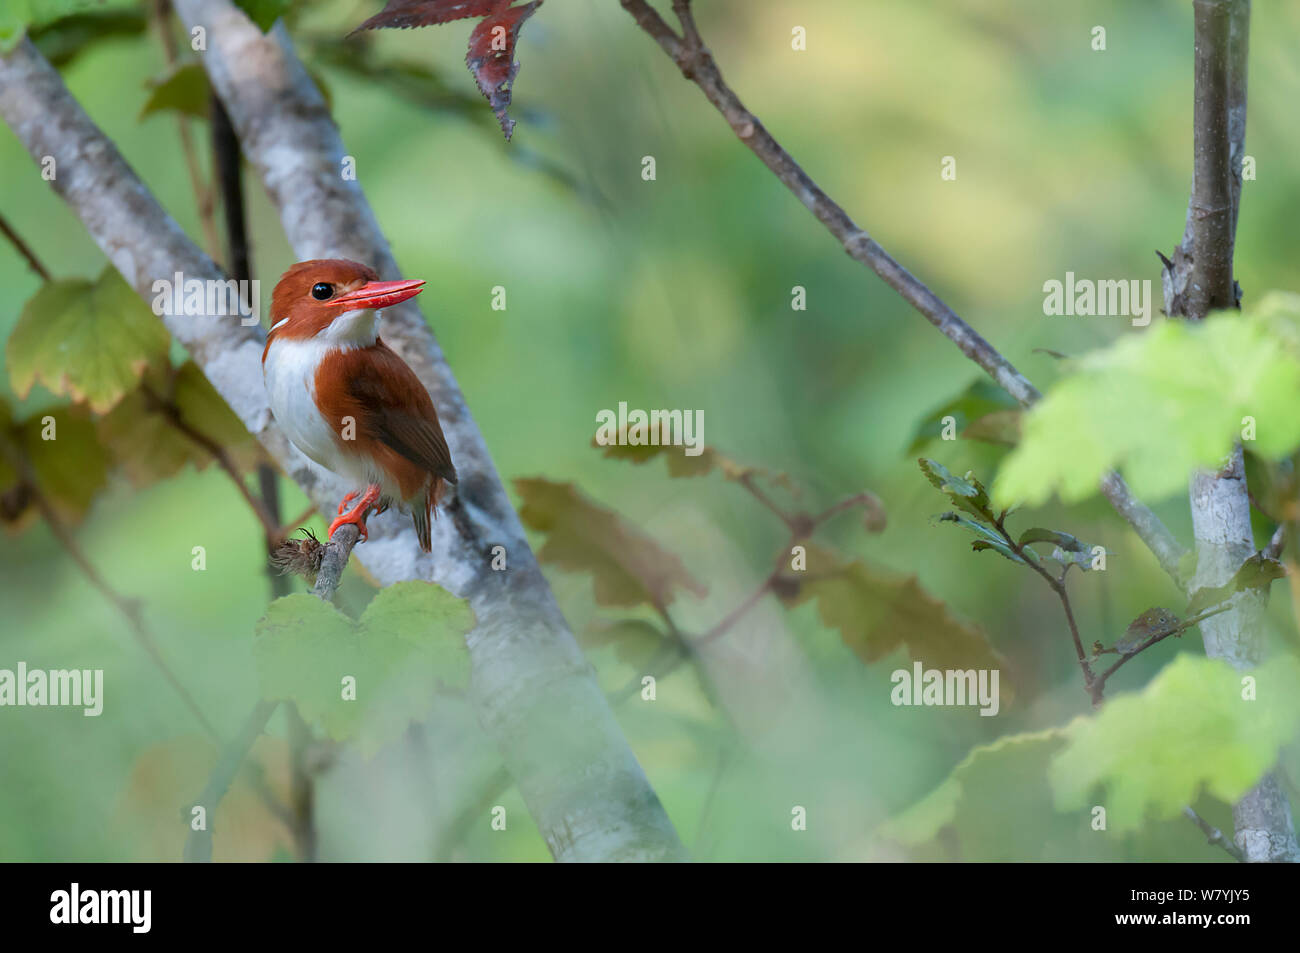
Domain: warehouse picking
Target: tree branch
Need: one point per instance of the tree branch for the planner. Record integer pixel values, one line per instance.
(1213, 834)
(24, 249)
(697, 64)
(1197, 280)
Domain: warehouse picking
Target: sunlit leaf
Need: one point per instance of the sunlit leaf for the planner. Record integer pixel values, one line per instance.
(1189, 730)
(1159, 404)
(997, 806)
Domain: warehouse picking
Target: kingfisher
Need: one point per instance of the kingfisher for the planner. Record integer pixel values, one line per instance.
(344, 397)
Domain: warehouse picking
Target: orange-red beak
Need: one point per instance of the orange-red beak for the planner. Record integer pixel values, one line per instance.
(381, 294)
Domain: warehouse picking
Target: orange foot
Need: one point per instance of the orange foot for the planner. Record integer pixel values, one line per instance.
(346, 500)
(358, 513)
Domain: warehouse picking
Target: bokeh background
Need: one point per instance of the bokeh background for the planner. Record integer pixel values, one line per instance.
(672, 293)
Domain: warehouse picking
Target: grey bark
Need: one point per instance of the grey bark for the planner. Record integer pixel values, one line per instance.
(1198, 279)
(531, 686)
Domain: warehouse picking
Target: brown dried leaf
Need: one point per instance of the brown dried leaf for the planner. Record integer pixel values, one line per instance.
(878, 612)
(628, 568)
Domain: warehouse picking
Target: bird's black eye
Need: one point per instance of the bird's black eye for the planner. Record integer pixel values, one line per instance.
(322, 291)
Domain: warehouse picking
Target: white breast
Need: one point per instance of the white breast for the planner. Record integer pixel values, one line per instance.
(290, 374)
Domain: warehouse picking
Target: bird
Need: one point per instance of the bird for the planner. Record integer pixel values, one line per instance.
(347, 400)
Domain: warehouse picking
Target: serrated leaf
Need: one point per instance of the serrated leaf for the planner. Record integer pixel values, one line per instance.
(491, 57)
(410, 637)
(1189, 730)
(628, 568)
(89, 341)
(682, 465)
(965, 493)
(997, 806)
(1257, 572)
(878, 613)
(1159, 404)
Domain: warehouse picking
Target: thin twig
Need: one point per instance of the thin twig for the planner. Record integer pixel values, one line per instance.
(270, 525)
(24, 249)
(1214, 835)
(198, 845)
(697, 64)
(1058, 586)
(129, 608)
(203, 198)
(1100, 685)
(1277, 543)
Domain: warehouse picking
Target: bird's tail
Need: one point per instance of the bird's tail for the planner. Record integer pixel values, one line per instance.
(426, 512)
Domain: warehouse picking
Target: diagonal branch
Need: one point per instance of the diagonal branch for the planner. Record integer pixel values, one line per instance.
(697, 64)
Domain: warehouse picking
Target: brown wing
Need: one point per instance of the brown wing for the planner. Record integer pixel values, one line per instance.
(392, 405)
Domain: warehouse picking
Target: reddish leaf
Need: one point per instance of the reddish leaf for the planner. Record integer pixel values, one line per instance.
(406, 14)
(491, 57)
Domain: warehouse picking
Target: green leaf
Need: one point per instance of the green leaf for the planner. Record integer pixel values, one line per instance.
(264, 12)
(997, 806)
(1066, 549)
(1189, 730)
(410, 637)
(91, 342)
(1159, 404)
(627, 567)
(149, 447)
(966, 493)
(878, 613)
(184, 90)
(998, 546)
(68, 464)
(983, 411)
(989, 538)
(1257, 572)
